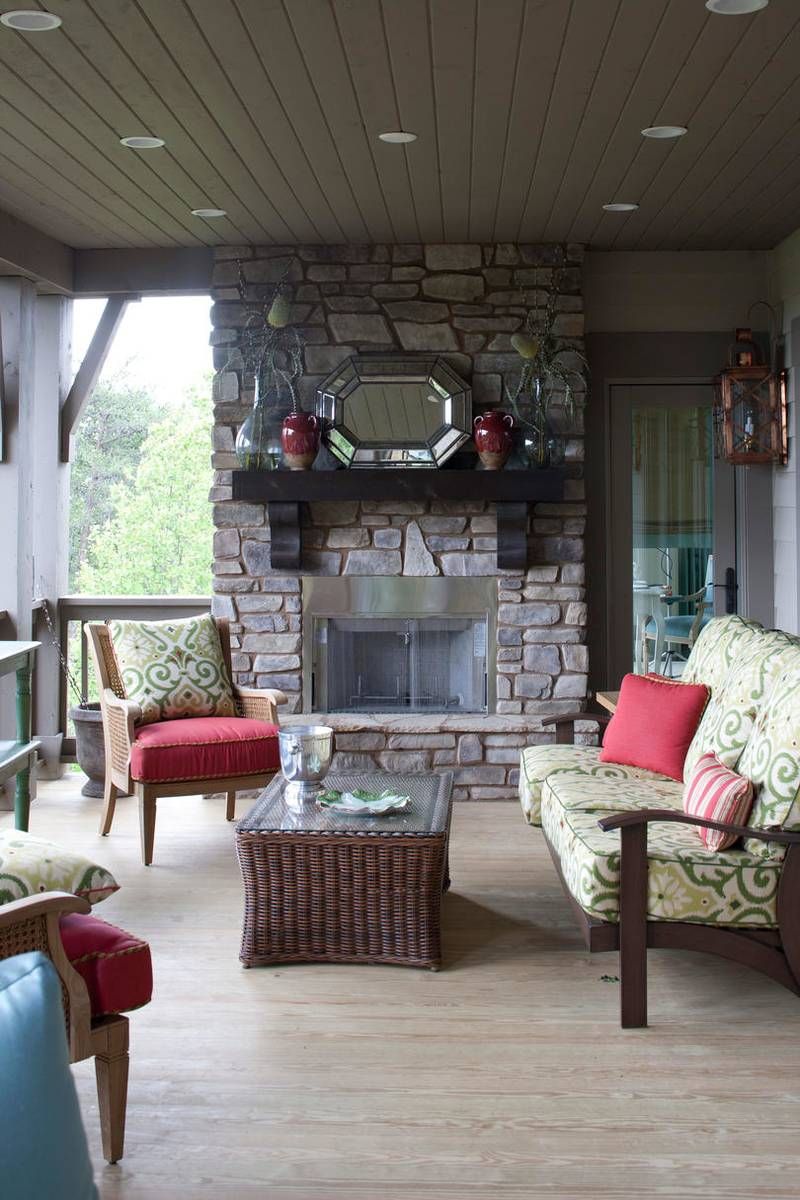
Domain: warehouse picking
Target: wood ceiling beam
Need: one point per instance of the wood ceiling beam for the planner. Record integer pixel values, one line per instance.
(35, 255)
(89, 370)
(168, 270)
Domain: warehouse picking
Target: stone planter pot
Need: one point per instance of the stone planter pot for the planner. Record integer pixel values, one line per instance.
(49, 765)
(89, 750)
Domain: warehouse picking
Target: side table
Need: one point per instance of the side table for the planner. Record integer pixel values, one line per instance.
(18, 757)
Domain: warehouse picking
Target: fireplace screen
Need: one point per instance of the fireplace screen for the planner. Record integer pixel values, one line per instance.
(398, 662)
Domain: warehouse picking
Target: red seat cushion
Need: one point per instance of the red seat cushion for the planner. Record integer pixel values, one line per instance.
(654, 723)
(115, 965)
(204, 748)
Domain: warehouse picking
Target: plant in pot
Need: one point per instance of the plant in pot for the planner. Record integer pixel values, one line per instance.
(86, 719)
(549, 393)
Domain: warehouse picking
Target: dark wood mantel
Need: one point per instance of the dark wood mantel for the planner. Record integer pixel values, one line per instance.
(512, 491)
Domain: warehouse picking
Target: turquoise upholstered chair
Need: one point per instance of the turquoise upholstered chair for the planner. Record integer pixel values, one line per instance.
(43, 1151)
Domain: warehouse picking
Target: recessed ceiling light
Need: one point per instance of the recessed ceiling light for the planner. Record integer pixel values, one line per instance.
(29, 20)
(209, 212)
(620, 206)
(735, 8)
(664, 131)
(397, 136)
(142, 143)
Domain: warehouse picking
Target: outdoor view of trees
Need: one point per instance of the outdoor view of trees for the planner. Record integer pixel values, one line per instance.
(140, 521)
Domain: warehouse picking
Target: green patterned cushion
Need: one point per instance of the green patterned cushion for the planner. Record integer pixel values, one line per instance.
(771, 758)
(29, 865)
(538, 762)
(717, 645)
(686, 882)
(729, 718)
(173, 668)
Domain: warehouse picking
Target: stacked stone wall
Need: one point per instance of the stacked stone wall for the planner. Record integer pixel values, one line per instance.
(463, 302)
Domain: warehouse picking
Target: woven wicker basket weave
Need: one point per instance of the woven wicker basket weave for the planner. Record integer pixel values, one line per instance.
(346, 894)
(31, 934)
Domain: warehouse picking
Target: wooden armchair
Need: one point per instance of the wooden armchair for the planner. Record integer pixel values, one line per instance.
(120, 734)
(32, 924)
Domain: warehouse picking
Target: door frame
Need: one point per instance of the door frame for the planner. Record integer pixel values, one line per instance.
(619, 599)
(667, 357)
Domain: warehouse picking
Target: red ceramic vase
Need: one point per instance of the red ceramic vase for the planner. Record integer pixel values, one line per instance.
(300, 440)
(492, 437)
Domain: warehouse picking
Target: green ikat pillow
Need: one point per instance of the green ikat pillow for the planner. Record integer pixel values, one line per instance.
(173, 668)
(29, 865)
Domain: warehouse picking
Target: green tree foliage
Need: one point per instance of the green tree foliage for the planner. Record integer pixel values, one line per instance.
(157, 536)
(108, 446)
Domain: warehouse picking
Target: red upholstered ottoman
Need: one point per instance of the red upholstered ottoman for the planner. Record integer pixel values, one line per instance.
(204, 748)
(115, 965)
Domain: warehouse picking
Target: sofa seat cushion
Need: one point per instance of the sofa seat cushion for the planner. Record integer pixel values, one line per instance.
(537, 763)
(686, 882)
(115, 965)
(204, 748)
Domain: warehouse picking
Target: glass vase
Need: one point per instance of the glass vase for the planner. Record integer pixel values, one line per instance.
(542, 420)
(258, 442)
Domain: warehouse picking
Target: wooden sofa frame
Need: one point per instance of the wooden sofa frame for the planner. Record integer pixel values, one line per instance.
(774, 952)
(32, 924)
(119, 725)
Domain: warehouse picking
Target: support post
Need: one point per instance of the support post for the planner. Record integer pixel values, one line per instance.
(90, 368)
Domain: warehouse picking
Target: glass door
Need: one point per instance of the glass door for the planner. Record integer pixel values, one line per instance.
(673, 525)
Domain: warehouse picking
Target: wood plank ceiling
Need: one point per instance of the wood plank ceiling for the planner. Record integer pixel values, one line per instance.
(528, 115)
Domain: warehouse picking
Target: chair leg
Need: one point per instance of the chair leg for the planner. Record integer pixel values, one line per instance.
(110, 793)
(633, 927)
(230, 808)
(111, 1073)
(147, 824)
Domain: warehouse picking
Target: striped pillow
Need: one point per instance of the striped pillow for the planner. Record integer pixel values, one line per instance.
(719, 794)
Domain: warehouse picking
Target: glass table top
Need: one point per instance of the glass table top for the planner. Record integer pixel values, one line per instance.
(428, 812)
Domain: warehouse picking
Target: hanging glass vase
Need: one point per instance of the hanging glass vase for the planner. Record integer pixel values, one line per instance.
(544, 417)
(258, 442)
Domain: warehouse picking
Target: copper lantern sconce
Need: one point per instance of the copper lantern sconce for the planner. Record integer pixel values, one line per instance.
(750, 414)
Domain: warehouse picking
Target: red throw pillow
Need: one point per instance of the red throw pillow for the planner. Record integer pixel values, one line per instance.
(654, 723)
(715, 792)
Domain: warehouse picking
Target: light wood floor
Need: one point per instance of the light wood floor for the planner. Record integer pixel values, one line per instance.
(505, 1075)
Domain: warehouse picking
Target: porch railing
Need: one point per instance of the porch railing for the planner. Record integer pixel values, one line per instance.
(72, 613)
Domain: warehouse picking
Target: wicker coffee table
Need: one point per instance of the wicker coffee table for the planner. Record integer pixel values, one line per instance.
(324, 887)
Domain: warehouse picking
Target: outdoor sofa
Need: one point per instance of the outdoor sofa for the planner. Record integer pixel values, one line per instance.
(632, 862)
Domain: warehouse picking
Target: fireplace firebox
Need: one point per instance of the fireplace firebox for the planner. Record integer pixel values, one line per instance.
(402, 645)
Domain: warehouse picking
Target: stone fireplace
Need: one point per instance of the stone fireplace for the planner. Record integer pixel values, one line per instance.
(518, 635)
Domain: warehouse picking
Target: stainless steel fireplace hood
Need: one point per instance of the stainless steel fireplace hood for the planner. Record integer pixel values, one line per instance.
(399, 644)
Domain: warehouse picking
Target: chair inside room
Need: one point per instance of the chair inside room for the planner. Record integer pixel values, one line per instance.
(184, 756)
(672, 637)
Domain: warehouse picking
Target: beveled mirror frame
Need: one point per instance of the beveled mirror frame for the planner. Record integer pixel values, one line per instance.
(384, 368)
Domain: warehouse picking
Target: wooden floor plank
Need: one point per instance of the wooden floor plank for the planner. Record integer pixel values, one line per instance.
(504, 1076)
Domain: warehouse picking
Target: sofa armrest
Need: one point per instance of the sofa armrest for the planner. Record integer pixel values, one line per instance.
(646, 815)
(260, 704)
(564, 724)
(32, 924)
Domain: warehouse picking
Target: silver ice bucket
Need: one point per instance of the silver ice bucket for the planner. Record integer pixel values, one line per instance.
(306, 752)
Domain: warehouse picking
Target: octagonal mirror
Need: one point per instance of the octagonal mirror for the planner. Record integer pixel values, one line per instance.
(394, 410)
